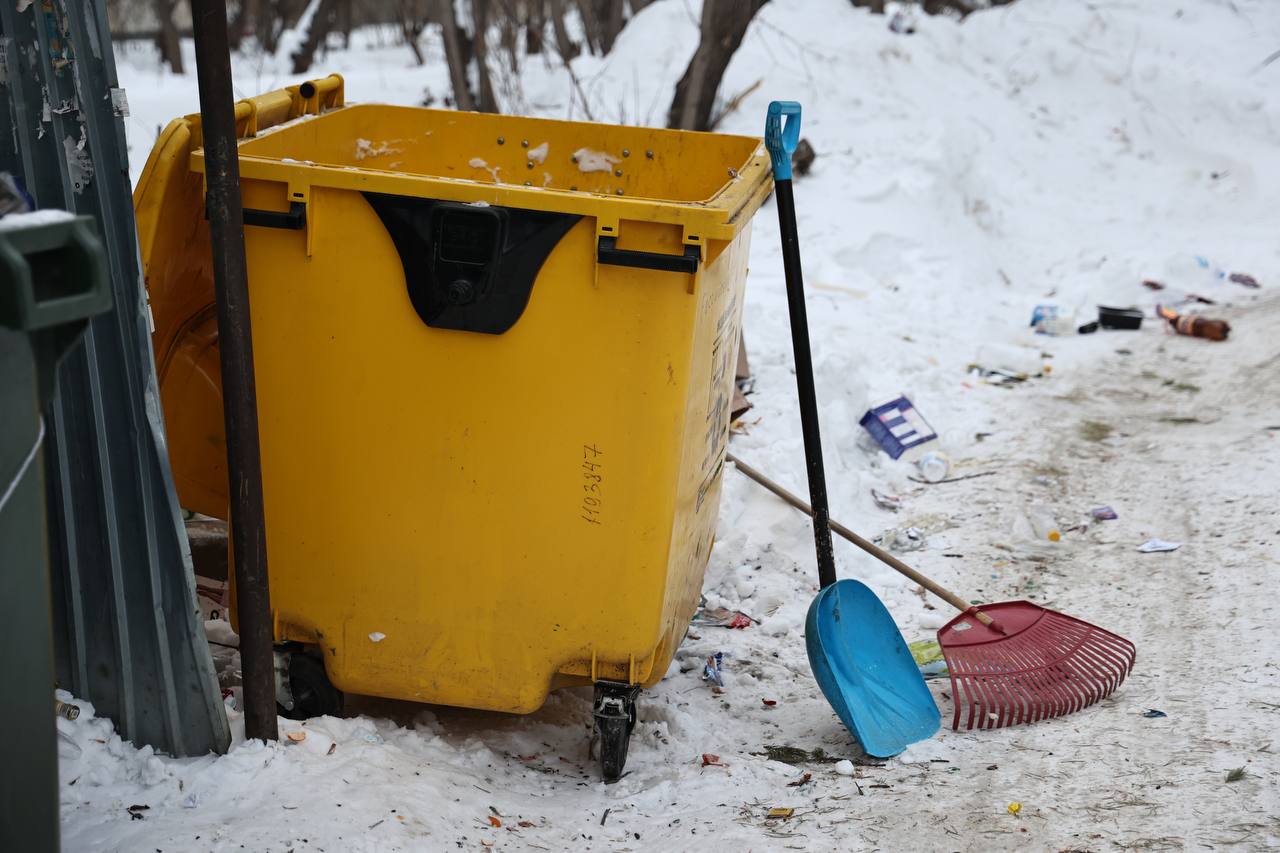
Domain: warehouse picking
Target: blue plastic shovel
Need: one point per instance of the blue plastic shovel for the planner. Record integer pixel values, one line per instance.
(856, 652)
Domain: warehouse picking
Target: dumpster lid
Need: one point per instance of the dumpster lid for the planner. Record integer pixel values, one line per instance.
(707, 182)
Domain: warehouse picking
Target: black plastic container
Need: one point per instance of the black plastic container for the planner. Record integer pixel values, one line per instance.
(1119, 318)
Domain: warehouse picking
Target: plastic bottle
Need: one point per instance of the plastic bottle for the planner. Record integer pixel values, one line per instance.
(934, 466)
(1043, 523)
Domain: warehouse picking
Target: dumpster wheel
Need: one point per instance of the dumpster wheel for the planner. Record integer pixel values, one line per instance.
(313, 694)
(614, 710)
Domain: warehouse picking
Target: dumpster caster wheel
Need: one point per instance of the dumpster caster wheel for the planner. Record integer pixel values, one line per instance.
(614, 710)
(312, 693)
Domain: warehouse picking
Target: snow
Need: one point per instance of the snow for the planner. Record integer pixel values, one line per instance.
(1047, 152)
(538, 154)
(593, 161)
(34, 218)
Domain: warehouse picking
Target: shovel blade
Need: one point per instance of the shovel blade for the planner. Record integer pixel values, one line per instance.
(866, 671)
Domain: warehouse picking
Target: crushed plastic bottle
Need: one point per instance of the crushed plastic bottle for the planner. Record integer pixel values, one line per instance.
(1043, 523)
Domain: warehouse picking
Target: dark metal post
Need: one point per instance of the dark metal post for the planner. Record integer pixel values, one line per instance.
(235, 343)
(804, 382)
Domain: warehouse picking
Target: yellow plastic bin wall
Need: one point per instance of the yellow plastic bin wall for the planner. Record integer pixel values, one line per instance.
(464, 517)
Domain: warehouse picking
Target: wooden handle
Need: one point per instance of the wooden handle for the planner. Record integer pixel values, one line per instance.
(880, 554)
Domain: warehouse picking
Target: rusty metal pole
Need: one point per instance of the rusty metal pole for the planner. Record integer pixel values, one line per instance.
(235, 343)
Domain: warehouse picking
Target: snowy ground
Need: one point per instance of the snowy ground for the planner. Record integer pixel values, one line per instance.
(1044, 152)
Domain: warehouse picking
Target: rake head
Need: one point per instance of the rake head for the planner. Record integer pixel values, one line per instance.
(1044, 664)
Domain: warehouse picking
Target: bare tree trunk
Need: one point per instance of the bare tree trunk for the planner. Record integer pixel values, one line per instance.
(724, 24)
(411, 26)
(637, 5)
(245, 23)
(167, 37)
(590, 24)
(453, 52)
(345, 22)
(486, 102)
(565, 46)
(509, 26)
(610, 18)
(322, 23)
(267, 26)
(534, 26)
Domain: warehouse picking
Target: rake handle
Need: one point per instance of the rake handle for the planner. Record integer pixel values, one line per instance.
(879, 553)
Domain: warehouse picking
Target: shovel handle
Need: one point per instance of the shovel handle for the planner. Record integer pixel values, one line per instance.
(879, 553)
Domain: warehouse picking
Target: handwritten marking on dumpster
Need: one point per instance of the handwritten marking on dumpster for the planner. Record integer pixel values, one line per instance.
(593, 479)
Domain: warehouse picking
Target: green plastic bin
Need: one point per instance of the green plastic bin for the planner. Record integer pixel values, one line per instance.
(53, 277)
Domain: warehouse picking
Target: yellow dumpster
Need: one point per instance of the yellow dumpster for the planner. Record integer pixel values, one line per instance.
(494, 359)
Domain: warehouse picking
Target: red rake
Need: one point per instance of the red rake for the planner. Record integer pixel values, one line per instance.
(1011, 662)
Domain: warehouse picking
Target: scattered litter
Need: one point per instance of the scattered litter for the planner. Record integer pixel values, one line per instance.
(1154, 545)
(711, 670)
(794, 755)
(377, 636)
(1015, 363)
(333, 747)
(1203, 300)
(928, 656)
(605, 816)
(66, 710)
(1151, 284)
(494, 821)
(1152, 713)
(1103, 513)
(769, 703)
(1232, 775)
(1044, 524)
(1243, 278)
(1119, 318)
(893, 503)
(297, 736)
(1014, 808)
(1052, 320)
(804, 779)
(712, 760)
(902, 22)
(722, 617)
(844, 767)
(136, 811)
(373, 737)
(897, 426)
(780, 812)
(902, 539)
(954, 479)
(1195, 326)
(934, 466)
(804, 155)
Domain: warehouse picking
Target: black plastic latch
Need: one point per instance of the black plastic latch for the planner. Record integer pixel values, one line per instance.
(607, 252)
(295, 219)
